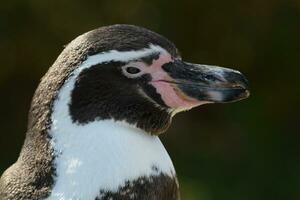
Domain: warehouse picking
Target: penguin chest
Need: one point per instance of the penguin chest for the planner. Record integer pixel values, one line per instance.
(109, 160)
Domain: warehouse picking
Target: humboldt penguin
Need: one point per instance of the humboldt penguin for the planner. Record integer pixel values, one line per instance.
(95, 118)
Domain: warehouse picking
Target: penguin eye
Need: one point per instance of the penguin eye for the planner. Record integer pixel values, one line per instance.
(132, 70)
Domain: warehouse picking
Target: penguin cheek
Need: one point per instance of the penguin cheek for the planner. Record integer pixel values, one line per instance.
(173, 97)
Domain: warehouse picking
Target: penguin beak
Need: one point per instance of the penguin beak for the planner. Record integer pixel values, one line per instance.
(206, 83)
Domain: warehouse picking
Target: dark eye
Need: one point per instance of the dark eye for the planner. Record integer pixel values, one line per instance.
(132, 70)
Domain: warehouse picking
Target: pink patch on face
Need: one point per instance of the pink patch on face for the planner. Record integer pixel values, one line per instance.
(157, 73)
(170, 94)
(173, 98)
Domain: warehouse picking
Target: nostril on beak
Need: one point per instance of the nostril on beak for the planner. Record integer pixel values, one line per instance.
(212, 78)
(209, 77)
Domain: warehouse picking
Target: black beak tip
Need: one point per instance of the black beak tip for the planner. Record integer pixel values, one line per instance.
(244, 94)
(234, 95)
(240, 87)
(237, 79)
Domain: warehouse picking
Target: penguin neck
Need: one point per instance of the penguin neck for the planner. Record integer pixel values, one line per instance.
(103, 154)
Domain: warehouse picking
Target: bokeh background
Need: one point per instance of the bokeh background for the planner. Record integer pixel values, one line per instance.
(246, 150)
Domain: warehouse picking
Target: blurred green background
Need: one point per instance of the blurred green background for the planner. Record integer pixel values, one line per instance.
(246, 150)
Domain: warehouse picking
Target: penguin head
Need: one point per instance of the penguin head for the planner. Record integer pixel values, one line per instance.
(127, 73)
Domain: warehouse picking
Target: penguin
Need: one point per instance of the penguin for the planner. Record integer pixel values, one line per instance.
(96, 116)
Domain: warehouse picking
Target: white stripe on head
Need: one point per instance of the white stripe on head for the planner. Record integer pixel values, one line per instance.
(121, 56)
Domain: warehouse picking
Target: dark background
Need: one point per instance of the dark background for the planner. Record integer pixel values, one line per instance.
(246, 150)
